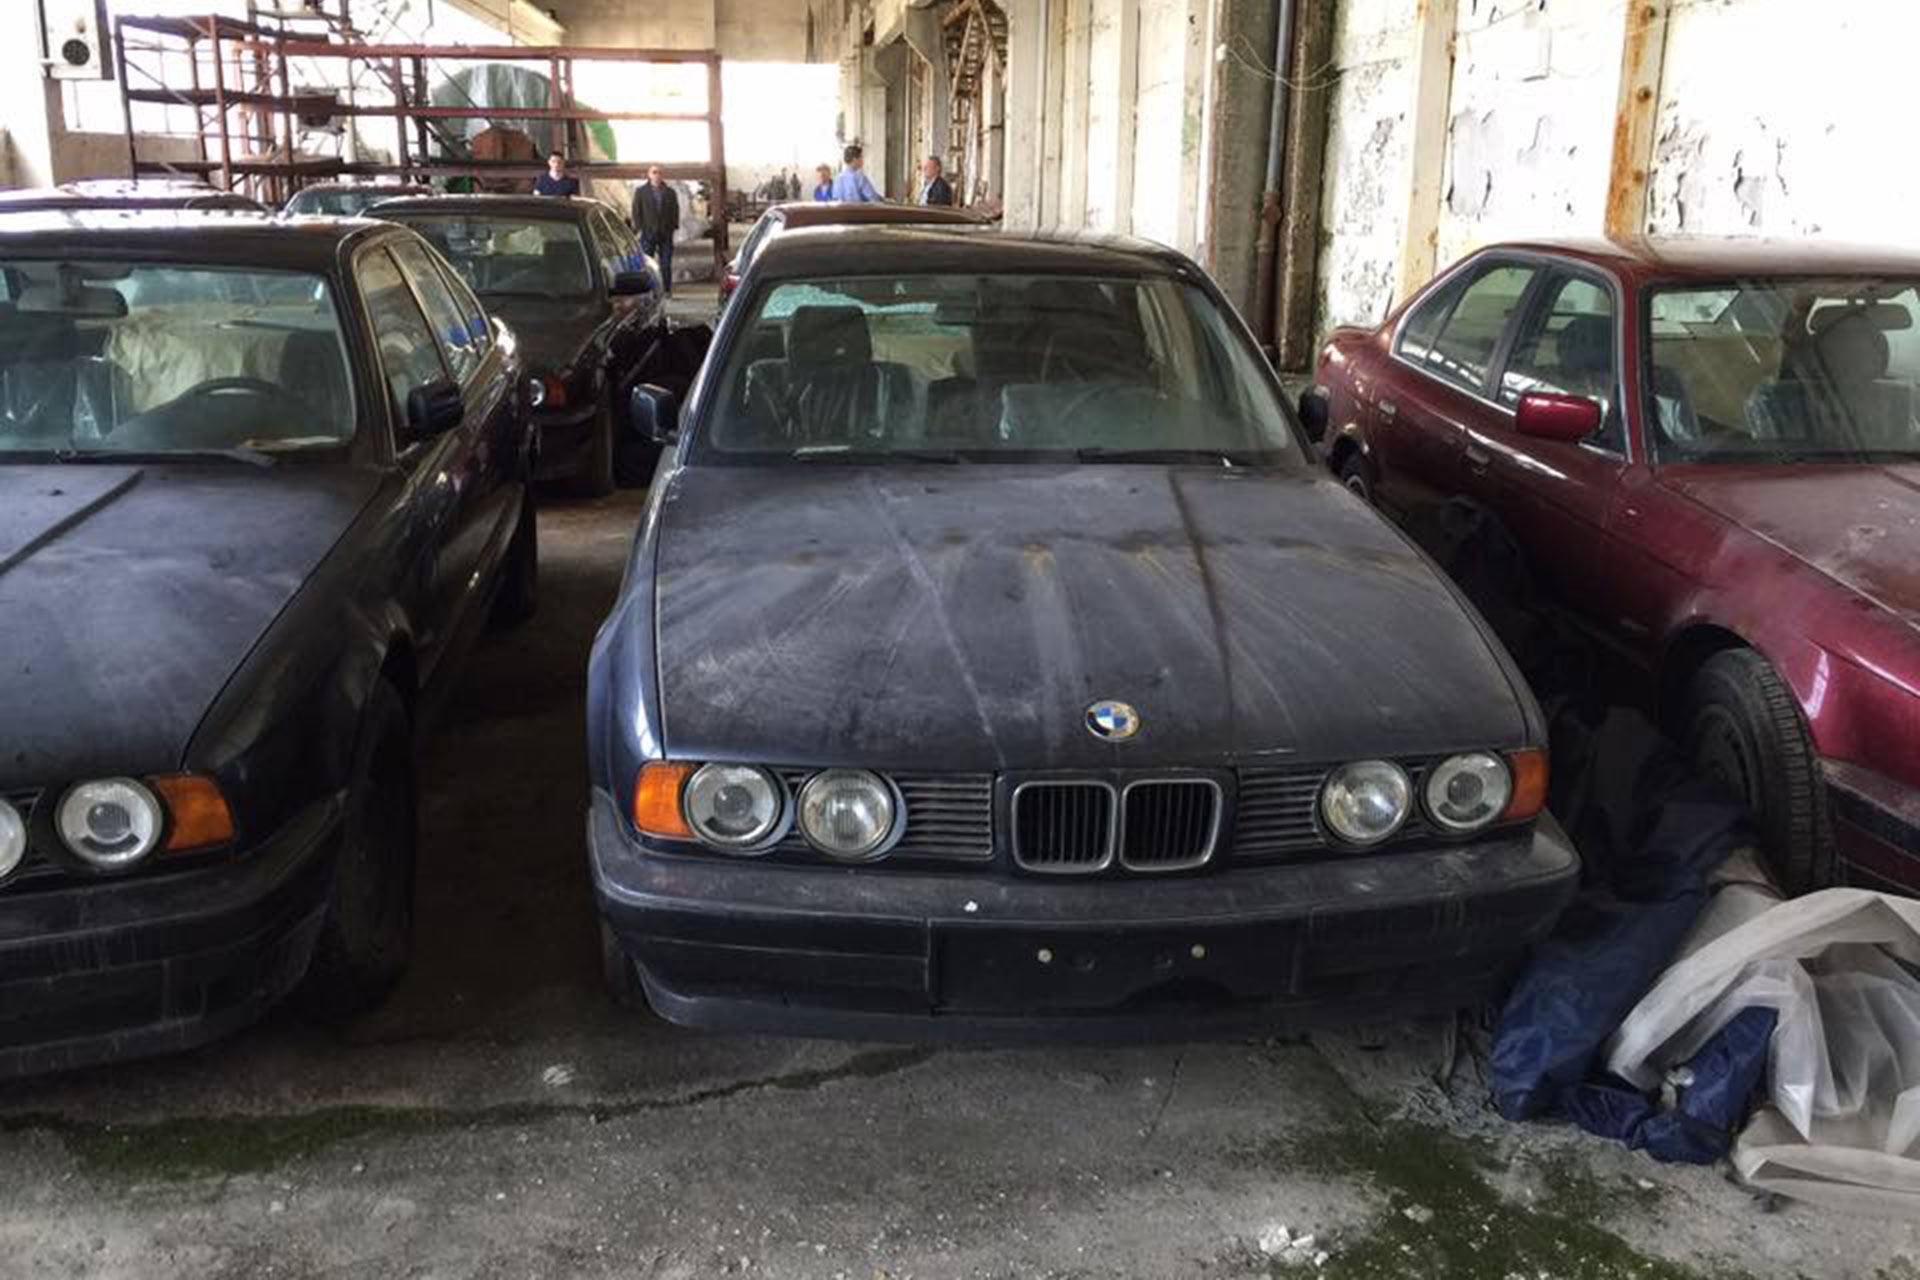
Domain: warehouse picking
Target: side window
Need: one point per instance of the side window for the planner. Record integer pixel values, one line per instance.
(1423, 323)
(1464, 346)
(479, 324)
(614, 251)
(408, 354)
(1567, 347)
(448, 317)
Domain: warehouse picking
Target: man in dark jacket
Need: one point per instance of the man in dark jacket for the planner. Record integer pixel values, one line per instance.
(934, 187)
(656, 216)
(556, 181)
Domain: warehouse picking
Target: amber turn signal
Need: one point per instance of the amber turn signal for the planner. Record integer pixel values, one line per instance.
(656, 800)
(197, 814)
(1529, 785)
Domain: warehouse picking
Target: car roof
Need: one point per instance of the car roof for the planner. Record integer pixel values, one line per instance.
(305, 244)
(881, 250)
(1727, 257)
(125, 196)
(527, 206)
(824, 213)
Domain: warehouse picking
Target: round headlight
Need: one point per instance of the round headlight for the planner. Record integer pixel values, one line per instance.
(847, 813)
(1466, 792)
(536, 392)
(735, 807)
(111, 823)
(13, 838)
(1365, 802)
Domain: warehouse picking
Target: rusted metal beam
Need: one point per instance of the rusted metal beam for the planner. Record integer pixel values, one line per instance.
(1643, 52)
(496, 53)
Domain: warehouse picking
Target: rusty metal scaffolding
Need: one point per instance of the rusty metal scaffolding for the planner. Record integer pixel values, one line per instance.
(235, 78)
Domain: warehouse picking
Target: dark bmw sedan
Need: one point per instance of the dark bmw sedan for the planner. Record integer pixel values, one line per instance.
(259, 488)
(569, 277)
(995, 663)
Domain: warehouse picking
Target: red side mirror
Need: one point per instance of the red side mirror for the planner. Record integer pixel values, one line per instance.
(1556, 417)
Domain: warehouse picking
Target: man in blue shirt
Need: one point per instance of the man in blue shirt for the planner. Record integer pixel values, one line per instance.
(556, 181)
(850, 185)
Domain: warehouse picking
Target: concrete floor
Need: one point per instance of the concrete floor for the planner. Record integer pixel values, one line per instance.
(500, 1118)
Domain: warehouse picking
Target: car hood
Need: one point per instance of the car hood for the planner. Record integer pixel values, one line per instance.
(964, 617)
(130, 594)
(1858, 525)
(551, 331)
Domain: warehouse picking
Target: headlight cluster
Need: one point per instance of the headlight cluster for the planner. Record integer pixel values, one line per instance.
(848, 814)
(114, 824)
(1366, 802)
(545, 392)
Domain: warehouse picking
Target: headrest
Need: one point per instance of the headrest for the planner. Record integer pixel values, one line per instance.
(1852, 349)
(1586, 345)
(828, 336)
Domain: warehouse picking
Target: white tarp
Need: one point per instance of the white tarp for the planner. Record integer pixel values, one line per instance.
(1842, 969)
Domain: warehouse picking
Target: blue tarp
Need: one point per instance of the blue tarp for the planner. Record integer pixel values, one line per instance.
(1651, 833)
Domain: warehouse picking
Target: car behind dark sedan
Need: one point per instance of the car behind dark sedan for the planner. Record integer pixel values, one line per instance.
(100, 195)
(993, 662)
(259, 488)
(569, 277)
(348, 199)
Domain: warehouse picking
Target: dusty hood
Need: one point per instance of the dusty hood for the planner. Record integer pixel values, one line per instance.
(551, 332)
(1858, 525)
(128, 596)
(965, 616)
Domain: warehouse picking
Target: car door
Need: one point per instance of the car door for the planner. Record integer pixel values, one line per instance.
(1439, 391)
(439, 466)
(1557, 497)
(486, 482)
(634, 317)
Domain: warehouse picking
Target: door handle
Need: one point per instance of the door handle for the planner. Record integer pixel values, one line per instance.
(1388, 409)
(1476, 458)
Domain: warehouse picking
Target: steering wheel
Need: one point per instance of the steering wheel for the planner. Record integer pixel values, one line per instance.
(222, 386)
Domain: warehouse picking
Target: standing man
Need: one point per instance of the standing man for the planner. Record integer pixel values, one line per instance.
(822, 184)
(934, 188)
(656, 215)
(850, 185)
(556, 181)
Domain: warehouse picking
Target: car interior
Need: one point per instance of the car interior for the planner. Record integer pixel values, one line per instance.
(496, 256)
(161, 359)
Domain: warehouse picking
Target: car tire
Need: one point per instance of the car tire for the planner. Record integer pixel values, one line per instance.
(1357, 476)
(1744, 727)
(519, 597)
(617, 972)
(368, 929)
(594, 478)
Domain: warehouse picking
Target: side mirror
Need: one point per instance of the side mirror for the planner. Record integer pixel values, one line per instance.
(1556, 417)
(434, 408)
(627, 284)
(1313, 413)
(653, 414)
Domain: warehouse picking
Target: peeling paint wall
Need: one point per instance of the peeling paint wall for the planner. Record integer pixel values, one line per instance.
(1368, 167)
(1772, 118)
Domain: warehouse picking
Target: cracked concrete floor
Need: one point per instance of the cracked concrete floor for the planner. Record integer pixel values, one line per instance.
(499, 1118)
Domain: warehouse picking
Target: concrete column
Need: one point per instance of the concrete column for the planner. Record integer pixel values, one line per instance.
(1025, 112)
(1113, 60)
(1432, 89)
(1075, 112)
(1237, 147)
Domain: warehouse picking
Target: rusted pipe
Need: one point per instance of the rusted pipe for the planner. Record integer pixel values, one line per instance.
(1264, 243)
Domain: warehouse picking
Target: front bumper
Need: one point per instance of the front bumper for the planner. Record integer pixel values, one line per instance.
(563, 438)
(978, 958)
(127, 968)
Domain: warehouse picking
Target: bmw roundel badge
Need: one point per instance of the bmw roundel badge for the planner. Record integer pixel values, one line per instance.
(1112, 721)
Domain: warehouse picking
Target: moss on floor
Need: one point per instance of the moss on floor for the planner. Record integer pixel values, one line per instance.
(1444, 1217)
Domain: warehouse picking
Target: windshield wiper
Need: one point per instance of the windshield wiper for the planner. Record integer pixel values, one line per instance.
(252, 457)
(841, 453)
(1224, 457)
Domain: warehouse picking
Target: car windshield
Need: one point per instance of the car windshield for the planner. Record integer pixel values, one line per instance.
(495, 254)
(1800, 370)
(953, 367)
(103, 357)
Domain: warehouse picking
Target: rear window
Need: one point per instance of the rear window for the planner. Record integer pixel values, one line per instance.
(537, 256)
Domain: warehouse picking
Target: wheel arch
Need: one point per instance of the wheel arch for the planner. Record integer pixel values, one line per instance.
(1685, 653)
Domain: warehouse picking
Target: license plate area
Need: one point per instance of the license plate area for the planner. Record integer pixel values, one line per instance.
(1042, 970)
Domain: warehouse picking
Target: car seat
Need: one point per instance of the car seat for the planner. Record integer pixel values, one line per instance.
(1834, 389)
(832, 390)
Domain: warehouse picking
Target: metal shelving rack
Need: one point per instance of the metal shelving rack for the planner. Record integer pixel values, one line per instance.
(234, 77)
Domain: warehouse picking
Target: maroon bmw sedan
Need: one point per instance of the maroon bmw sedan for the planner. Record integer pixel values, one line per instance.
(1709, 452)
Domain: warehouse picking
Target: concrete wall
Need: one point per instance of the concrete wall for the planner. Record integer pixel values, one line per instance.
(743, 30)
(1771, 117)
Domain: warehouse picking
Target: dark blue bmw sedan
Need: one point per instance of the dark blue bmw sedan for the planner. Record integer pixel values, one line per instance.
(993, 663)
